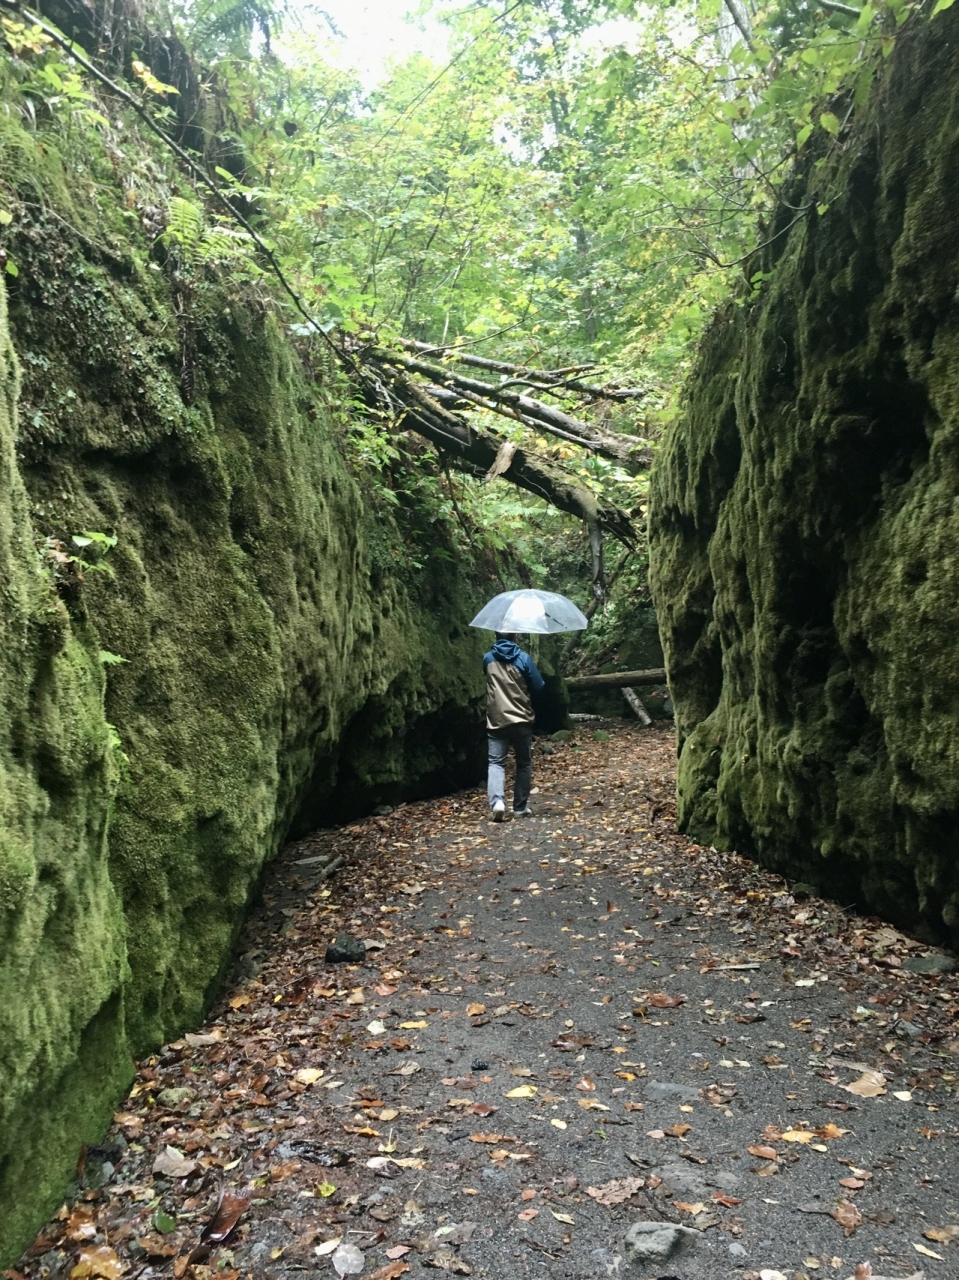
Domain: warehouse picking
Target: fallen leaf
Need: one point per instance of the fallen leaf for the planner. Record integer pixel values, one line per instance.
(155, 1246)
(797, 1135)
(919, 1248)
(527, 1215)
(942, 1235)
(97, 1260)
(413, 1026)
(171, 1163)
(398, 1251)
(558, 1124)
(617, 1191)
(376, 1028)
(728, 1202)
(521, 1071)
(309, 1075)
(81, 1224)
(523, 1091)
(763, 1153)
(678, 1130)
(388, 1113)
(693, 1209)
(590, 1104)
(390, 1271)
(830, 1131)
(447, 1260)
(586, 1085)
(563, 1217)
(871, 1084)
(482, 1109)
(229, 1211)
(488, 1137)
(356, 996)
(474, 1010)
(903, 1095)
(239, 1001)
(848, 1217)
(852, 1184)
(659, 1000)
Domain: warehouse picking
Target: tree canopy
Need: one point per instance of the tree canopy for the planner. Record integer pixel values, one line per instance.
(512, 254)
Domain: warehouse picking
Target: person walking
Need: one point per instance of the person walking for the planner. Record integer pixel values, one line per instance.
(511, 680)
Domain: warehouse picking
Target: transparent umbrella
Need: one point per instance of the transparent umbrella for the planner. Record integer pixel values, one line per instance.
(527, 611)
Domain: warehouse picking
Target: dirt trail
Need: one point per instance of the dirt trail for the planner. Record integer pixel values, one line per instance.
(565, 1024)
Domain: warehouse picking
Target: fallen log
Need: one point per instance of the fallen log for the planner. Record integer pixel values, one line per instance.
(617, 679)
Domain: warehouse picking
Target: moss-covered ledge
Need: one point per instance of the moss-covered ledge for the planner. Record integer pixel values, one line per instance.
(805, 524)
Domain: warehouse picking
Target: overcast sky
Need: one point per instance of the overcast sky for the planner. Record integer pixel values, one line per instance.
(374, 31)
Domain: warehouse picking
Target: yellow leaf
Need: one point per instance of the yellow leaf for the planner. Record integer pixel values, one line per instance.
(474, 1010)
(308, 1075)
(523, 1091)
(563, 1217)
(413, 1026)
(326, 1189)
(798, 1135)
(926, 1253)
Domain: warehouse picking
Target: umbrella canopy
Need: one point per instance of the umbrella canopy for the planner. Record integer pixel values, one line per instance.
(526, 611)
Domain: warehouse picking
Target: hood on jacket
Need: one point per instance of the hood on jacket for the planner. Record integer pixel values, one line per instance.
(506, 650)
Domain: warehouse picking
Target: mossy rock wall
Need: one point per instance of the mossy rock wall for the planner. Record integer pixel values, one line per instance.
(805, 522)
(286, 651)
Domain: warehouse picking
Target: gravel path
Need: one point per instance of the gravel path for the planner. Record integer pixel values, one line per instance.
(564, 1025)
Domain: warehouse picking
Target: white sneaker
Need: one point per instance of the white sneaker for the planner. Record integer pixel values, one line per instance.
(499, 811)
(523, 813)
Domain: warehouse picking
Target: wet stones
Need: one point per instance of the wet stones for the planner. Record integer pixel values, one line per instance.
(345, 949)
(934, 963)
(655, 1242)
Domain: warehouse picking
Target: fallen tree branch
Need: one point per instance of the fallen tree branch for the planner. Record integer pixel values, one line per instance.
(548, 379)
(628, 451)
(476, 452)
(618, 679)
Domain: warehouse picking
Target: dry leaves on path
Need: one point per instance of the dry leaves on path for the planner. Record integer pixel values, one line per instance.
(97, 1260)
(848, 1217)
(616, 1191)
(942, 1235)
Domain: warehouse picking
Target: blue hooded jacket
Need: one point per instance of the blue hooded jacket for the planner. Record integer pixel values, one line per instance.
(508, 697)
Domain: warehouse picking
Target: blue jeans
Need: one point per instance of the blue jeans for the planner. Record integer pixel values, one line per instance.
(521, 736)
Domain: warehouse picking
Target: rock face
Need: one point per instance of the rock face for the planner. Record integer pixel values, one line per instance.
(805, 522)
(286, 650)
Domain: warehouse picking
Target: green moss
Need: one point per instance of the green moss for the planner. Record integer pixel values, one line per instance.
(279, 671)
(805, 529)
(61, 928)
